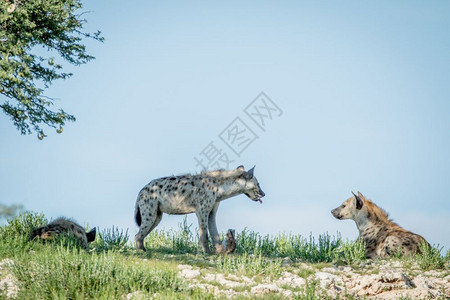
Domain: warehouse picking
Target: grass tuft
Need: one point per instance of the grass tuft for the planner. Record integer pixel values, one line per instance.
(111, 239)
(249, 264)
(430, 257)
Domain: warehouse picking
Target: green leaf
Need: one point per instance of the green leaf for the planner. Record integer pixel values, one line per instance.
(25, 26)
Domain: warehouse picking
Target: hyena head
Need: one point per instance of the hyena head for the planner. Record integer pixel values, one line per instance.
(352, 208)
(252, 188)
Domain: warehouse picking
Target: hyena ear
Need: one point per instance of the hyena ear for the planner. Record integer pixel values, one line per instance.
(359, 201)
(240, 168)
(249, 173)
(91, 235)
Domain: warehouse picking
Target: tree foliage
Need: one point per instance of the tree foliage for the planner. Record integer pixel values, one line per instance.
(8, 211)
(36, 37)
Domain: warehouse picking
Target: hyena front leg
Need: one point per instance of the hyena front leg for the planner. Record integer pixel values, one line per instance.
(150, 218)
(203, 230)
(213, 229)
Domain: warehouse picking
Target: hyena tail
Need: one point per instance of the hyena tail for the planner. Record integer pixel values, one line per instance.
(137, 215)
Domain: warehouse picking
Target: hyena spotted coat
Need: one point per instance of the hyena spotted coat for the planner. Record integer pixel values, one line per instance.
(200, 194)
(64, 225)
(381, 235)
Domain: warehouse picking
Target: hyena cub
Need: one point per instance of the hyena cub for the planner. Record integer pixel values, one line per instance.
(381, 236)
(64, 225)
(229, 244)
(200, 194)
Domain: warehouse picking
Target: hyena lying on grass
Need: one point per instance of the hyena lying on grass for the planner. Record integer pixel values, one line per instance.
(381, 236)
(200, 194)
(64, 225)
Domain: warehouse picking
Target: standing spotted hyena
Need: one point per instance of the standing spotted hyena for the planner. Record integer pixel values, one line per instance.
(382, 237)
(200, 194)
(64, 225)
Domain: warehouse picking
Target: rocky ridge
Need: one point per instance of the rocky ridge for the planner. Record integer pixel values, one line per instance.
(370, 280)
(378, 279)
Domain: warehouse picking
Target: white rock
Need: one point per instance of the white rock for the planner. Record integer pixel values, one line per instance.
(220, 279)
(233, 277)
(326, 279)
(189, 274)
(133, 295)
(185, 267)
(330, 270)
(8, 286)
(247, 280)
(6, 263)
(262, 289)
(291, 280)
(288, 293)
(396, 264)
(204, 286)
(286, 262)
(392, 276)
(345, 269)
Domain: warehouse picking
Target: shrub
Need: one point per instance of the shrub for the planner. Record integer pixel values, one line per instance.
(430, 257)
(23, 225)
(111, 239)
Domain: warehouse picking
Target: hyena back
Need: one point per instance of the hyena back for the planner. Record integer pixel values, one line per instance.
(381, 235)
(199, 194)
(64, 225)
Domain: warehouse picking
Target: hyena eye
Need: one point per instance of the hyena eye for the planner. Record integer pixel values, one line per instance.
(343, 205)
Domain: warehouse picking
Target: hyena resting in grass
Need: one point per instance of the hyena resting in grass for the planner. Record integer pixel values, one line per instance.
(200, 194)
(381, 236)
(64, 225)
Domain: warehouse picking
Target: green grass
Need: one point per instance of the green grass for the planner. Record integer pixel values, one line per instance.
(431, 258)
(325, 249)
(249, 265)
(111, 268)
(72, 273)
(111, 239)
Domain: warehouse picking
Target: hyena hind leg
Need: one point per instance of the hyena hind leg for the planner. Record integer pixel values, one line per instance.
(212, 227)
(150, 218)
(393, 245)
(203, 231)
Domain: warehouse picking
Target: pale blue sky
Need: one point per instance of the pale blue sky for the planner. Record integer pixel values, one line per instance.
(364, 89)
